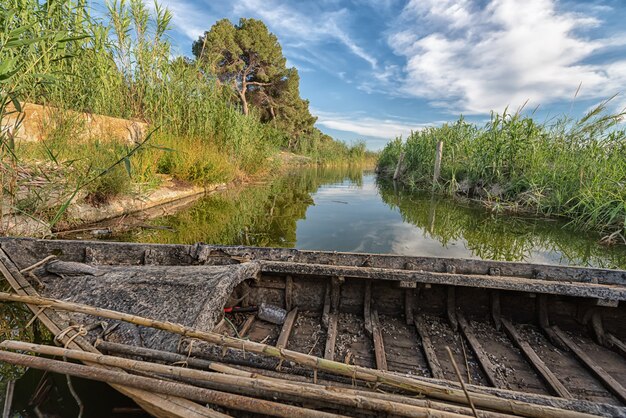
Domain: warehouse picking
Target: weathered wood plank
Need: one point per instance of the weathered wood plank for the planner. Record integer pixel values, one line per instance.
(132, 253)
(535, 361)
(367, 307)
(155, 404)
(495, 309)
(429, 351)
(335, 294)
(481, 355)
(379, 345)
(243, 331)
(326, 308)
(451, 308)
(288, 293)
(285, 332)
(607, 380)
(615, 343)
(589, 290)
(543, 318)
(331, 337)
(408, 305)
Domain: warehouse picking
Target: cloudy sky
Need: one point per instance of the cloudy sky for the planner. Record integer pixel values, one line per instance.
(374, 69)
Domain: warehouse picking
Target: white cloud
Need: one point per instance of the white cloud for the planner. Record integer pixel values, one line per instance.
(308, 29)
(476, 59)
(366, 126)
(186, 17)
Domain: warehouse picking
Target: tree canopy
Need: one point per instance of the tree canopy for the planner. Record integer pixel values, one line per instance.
(248, 58)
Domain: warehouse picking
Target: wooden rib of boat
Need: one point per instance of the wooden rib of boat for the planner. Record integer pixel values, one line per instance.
(548, 335)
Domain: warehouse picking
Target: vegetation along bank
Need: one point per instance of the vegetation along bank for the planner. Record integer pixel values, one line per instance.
(221, 116)
(569, 168)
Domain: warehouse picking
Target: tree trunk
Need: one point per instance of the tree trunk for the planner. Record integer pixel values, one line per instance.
(244, 103)
(242, 95)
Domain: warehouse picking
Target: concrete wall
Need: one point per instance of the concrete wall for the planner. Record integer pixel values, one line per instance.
(39, 121)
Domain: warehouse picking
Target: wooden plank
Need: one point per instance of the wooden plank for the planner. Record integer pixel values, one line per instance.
(546, 374)
(285, 332)
(544, 322)
(245, 328)
(125, 253)
(335, 293)
(429, 351)
(495, 309)
(155, 404)
(615, 343)
(451, 308)
(367, 307)
(288, 293)
(408, 305)
(331, 314)
(481, 355)
(326, 308)
(331, 337)
(607, 380)
(379, 345)
(579, 289)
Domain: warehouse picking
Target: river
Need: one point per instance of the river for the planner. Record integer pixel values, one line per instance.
(348, 209)
(345, 209)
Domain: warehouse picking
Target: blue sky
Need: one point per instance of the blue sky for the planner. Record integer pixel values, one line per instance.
(374, 69)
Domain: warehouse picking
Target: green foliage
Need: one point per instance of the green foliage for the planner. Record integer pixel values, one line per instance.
(200, 162)
(245, 57)
(568, 168)
(496, 237)
(263, 214)
(57, 53)
(326, 150)
(248, 60)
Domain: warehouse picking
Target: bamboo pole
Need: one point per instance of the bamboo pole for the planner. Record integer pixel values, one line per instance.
(8, 399)
(356, 372)
(173, 358)
(154, 404)
(249, 385)
(302, 381)
(228, 400)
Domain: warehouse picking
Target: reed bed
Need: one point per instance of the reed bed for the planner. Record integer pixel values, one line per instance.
(567, 168)
(122, 64)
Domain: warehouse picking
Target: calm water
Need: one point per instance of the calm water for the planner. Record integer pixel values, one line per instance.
(349, 210)
(324, 209)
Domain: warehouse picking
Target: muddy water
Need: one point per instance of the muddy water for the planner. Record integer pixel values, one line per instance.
(319, 209)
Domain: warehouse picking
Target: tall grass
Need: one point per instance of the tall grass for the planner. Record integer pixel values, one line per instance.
(570, 168)
(123, 66)
(328, 151)
(57, 53)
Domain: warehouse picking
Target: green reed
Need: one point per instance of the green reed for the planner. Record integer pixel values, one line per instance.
(570, 168)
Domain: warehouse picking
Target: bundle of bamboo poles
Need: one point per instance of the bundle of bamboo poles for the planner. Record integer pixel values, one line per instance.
(236, 389)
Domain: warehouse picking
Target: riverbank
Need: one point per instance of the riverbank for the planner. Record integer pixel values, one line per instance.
(103, 122)
(349, 209)
(164, 195)
(568, 169)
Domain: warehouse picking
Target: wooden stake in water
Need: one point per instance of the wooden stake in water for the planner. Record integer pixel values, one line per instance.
(396, 174)
(438, 156)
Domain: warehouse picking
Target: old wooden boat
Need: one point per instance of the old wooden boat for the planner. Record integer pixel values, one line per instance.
(550, 336)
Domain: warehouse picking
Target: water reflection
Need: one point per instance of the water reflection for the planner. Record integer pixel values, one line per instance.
(486, 235)
(348, 210)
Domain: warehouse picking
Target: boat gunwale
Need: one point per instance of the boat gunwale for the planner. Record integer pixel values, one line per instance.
(549, 272)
